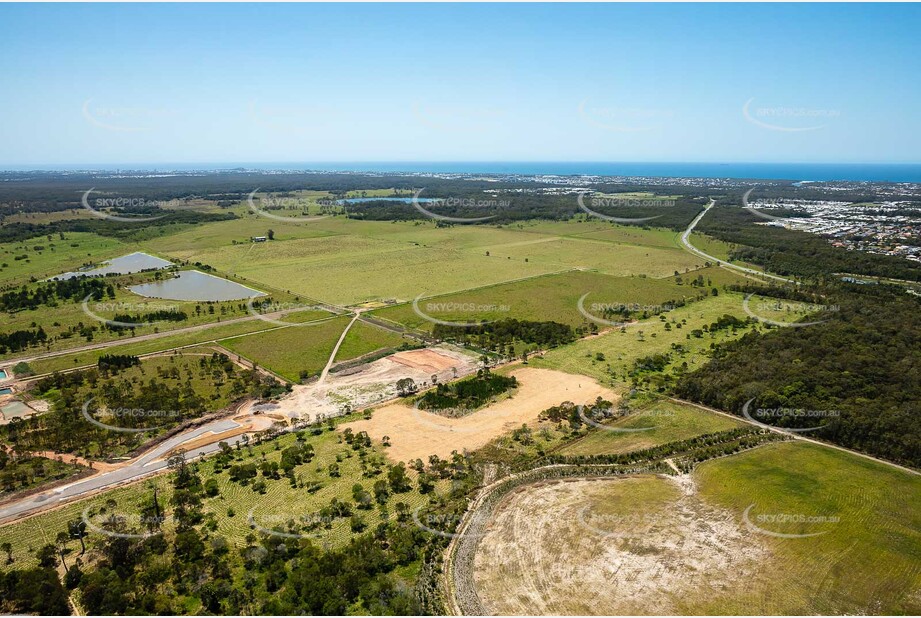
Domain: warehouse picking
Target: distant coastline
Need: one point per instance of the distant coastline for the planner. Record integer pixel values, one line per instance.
(853, 172)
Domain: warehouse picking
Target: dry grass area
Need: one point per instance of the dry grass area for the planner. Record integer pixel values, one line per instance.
(583, 547)
(417, 434)
(787, 528)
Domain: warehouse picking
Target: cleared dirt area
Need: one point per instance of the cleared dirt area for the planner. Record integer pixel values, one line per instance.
(417, 434)
(372, 383)
(426, 360)
(636, 545)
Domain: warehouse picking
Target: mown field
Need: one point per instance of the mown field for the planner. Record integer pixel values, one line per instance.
(866, 562)
(651, 545)
(210, 334)
(364, 339)
(346, 261)
(300, 351)
(547, 298)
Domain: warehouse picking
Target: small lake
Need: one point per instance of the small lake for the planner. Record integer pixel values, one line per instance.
(15, 409)
(124, 265)
(3, 375)
(195, 285)
(402, 200)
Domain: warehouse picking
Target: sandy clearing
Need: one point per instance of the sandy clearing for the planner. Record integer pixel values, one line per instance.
(371, 383)
(417, 434)
(427, 360)
(593, 547)
(99, 466)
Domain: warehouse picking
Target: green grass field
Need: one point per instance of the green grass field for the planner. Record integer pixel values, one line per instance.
(291, 351)
(346, 261)
(547, 298)
(868, 562)
(364, 339)
(56, 256)
(666, 421)
(620, 348)
(211, 334)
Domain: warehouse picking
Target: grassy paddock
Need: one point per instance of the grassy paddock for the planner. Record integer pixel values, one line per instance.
(548, 298)
(619, 349)
(207, 335)
(660, 422)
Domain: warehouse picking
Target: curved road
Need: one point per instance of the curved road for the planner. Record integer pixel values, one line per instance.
(685, 240)
(149, 463)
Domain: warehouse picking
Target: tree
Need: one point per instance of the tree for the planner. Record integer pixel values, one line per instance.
(426, 483)
(77, 530)
(405, 386)
(46, 556)
(60, 545)
(7, 548)
(271, 234)
(399, 481)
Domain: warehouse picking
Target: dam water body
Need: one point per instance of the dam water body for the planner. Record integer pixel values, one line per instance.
(196, 285)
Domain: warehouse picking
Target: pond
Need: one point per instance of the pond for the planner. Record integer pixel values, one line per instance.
(124, 265)
(6, 391)
(195, 285)
(3, 375)
(15, 409)
(402, 200)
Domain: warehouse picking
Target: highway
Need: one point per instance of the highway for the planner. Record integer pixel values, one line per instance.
(685, 240)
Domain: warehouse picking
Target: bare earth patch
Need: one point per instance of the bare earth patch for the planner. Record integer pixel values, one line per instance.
(623, 546)
(427, 360)
(417, 434)
(372, 383)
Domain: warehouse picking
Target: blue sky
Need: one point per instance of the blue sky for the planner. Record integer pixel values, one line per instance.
(122, 84)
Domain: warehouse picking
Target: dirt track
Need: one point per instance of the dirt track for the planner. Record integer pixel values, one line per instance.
(418, 434)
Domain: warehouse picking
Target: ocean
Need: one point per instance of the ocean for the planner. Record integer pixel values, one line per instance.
(879, 172)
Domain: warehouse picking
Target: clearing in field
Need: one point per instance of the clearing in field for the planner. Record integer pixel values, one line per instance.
(427, 361)
(712, 542)
(355, 388)
(416, 434)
